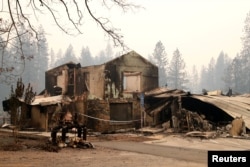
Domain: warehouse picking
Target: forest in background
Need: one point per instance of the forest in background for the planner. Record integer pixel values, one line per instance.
(221, 72)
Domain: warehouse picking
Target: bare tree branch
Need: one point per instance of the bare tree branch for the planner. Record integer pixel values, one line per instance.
(21, 22)
(54, 17)
(13, 21)
(110, 31)
(9, 39)
(30, 26)
(68, 14)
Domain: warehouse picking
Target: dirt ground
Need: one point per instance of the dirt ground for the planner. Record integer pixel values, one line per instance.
(31, 151)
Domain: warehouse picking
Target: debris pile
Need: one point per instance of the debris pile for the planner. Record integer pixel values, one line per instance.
(195, 125)
(74, 142)
(198, 115)
(185, 120)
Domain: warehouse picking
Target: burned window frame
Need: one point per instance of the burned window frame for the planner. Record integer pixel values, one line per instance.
(125, 81)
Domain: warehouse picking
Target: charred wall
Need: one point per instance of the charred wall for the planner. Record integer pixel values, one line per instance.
(132, 62)
(50, 82)
(105, 116)
(81, 86)
(56, 77)
(104, 88)
(68, 77)
(93, 81)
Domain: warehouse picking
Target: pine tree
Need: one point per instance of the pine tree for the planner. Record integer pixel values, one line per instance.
(211, 74)
(4, 62)
(228, 77)
(86, 59)
(69, 56)
(109, 52)
(100, 58)
(159, 58)
(177, 76)
(52, 59)
(237, 74)
(245, 55)
(29, 47)
(239, 69)
(59, 59)
(104, 55)
(219, 71)
(42, 60)
(204, 80)
(194, 81)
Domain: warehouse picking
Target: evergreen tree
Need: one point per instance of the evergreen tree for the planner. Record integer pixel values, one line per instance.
(36, 60)
(239, 70)
(41, 61)
(29, 47)
(59, 59)
(221, 71)
(52, 59)
(2, 50)
(177, 76)
(159, 58)
(4, 65)
(109, 52)
(12, 66)
(100, 58)
(229, 75)
(246, 38)
(104, 55)
(204, 80)
(220, 67)
(194, 81)
(4, 81)
(69, 55)
(228, 78)
(245, 55)
(86, 59)
(211, 75)
(236, 73)
(16, 51)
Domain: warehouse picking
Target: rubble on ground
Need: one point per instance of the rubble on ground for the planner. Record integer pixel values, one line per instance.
(205, 116)
(73, 142)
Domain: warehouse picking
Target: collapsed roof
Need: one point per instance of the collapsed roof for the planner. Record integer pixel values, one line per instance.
(217, 109)
(44, 101)
(236, 106)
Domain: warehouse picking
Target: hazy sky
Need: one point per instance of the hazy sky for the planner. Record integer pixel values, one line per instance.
(200, 29)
